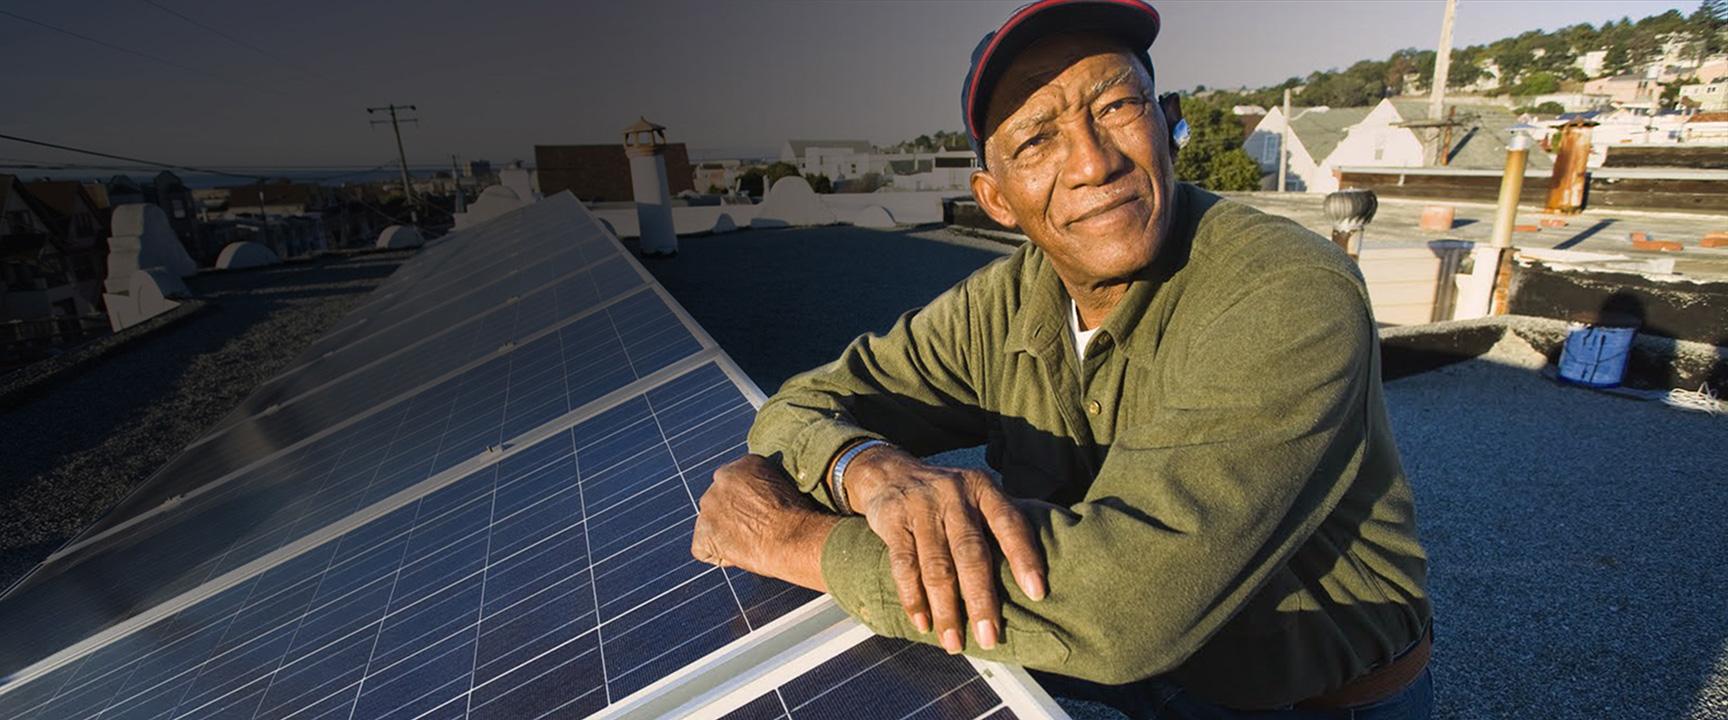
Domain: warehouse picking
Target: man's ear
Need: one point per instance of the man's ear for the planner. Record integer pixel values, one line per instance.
(1171, 105)
(989, 197)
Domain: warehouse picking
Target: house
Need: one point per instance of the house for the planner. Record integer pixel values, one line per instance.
(287, 217)
(1393, 133)
(715, 174)
(1706, 129)
(1591, 63)
(601, 173)
(51, 252)
(1706, 96)
(940, 170)
(1314, 133)
(1572, 101)
(837, 159)
(1625, 89)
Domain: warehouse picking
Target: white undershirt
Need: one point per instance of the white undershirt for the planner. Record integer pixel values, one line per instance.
(1081, 337)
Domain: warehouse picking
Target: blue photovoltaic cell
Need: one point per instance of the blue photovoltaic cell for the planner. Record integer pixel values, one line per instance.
(259, 437)
(281, 501)
(558, 579)
(882, 679)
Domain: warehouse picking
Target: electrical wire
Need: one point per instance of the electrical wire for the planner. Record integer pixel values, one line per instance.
(237, 41)
(130, 51)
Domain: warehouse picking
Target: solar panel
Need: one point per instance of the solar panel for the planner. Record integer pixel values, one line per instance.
(428, 530)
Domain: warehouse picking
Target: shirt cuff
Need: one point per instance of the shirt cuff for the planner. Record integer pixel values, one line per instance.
(812, 451)
(854, 564)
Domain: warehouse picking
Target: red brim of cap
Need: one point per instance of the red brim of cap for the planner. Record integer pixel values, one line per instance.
(1132, 20)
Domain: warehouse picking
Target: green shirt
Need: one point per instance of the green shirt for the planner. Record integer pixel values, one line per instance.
(1216, 488)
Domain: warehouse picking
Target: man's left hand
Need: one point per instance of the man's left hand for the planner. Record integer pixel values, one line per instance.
(753, 517)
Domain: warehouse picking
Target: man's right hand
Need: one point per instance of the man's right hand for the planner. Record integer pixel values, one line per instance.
(933, 520)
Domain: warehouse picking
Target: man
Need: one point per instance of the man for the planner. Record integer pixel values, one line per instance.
(1201, 508)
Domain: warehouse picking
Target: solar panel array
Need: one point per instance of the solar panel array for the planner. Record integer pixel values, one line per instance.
(472, 498)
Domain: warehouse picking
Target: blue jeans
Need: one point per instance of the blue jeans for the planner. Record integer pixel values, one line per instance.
(1155, 699)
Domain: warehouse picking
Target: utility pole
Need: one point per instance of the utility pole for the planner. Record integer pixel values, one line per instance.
(1442, 62)
(395, 124)
(1284, 144)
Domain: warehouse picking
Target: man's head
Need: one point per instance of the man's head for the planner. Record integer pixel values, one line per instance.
(1076, 151)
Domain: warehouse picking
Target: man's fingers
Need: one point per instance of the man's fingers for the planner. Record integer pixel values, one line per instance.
(903, 562)
(936, 571)
(976, 572)
(1018, 541)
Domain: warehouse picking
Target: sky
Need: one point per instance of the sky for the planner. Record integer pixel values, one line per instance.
(279, 85)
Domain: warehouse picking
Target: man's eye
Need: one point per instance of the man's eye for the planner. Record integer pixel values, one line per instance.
(1119, 104)
(1031, 143)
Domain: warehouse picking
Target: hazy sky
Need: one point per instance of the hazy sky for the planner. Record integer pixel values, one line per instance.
(287, 83)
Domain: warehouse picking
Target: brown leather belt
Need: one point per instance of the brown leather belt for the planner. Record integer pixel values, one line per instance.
(1379, 684)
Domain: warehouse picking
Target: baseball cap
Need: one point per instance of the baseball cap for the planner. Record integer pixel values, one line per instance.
(1134, 21)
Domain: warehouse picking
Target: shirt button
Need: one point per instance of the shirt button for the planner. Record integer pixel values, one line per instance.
(1094, 407)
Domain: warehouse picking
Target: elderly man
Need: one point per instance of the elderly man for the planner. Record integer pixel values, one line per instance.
(1200, 510)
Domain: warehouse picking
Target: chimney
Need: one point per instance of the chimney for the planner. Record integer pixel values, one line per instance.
(645, 144)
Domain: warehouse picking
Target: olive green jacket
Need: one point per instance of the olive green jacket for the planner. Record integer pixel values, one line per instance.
(1216, 487)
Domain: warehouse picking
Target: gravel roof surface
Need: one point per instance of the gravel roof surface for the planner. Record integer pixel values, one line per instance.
(75, 448)
(1575, 537)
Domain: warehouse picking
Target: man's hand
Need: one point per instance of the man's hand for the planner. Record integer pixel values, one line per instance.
(753, 517)
(933, 520)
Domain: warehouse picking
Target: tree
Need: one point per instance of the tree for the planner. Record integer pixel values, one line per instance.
(1233, 170)
(1539, 83)
(779, 170)
(820, 183)
(1213, 158)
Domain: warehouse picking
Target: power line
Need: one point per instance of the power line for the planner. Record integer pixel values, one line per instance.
(230, 38)
(128, 51)
(173, 166)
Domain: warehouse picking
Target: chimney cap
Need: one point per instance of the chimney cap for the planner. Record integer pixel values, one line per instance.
(643, 124)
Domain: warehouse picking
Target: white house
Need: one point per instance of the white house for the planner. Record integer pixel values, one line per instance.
(837, 159)
(1325, 139)
(1708, 97)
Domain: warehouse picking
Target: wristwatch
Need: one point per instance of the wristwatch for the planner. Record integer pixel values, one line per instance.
(838, 480)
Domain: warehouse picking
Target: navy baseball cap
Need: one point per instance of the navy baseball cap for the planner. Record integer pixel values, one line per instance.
(1134, 21)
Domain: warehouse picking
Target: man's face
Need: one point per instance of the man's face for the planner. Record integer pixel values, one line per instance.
(1079, 159)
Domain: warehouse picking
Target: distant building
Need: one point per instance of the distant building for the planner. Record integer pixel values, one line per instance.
(1708, 97)
(941, 170)
(601, 173)
(51, 252)
(1625, 89)
(715, 174)
(1706, 129)
(1326, 139)
(1573, 101)
(1591, 63)
(476, 169)
(837, 159)
(286, 217)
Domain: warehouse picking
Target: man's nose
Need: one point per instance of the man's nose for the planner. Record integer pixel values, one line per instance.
(1093, 158)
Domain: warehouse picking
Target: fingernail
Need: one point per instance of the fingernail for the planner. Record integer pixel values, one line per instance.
(951, 641)
(986, 634)
(1032, 585)
(921, 621)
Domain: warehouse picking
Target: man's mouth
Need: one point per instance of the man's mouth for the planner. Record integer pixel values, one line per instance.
(1104, 208)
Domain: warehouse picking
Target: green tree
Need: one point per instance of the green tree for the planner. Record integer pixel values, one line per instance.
(1233, 170)
(1538, 83)
(1213, 158)
(779, 170)
(820, 183)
